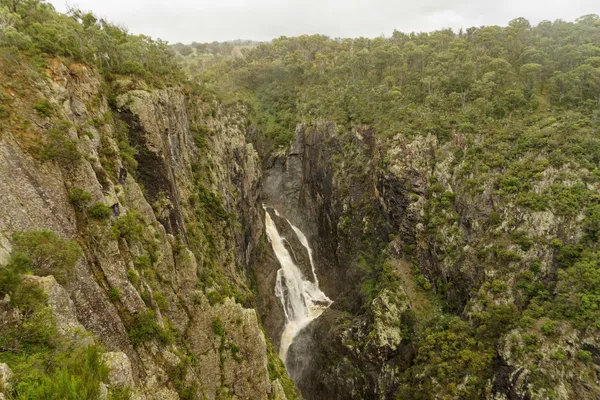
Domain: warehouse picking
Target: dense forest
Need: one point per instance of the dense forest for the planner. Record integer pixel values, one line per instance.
(512, 116)
(478, 78)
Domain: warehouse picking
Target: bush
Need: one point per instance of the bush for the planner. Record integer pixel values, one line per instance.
(215, 297)
(127, 155)
(548, 328)
(592, 223)
(34, 325)
(100, 211)
(200, 132)
(43, 108)
(161, 301)
(521, 239)
(568, 201)
(584, 355)
(72, 374)
(47, 254)
(177, 376)
(218, 327)
(133, 277)
(143, 262)
(144, 327)
(212, 202)
(423, 282)
(114, 294)
(79, 198)
(27, 322)
(129, 226)
(59, 147)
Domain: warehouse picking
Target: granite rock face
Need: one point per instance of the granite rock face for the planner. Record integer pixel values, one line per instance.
(194, 222)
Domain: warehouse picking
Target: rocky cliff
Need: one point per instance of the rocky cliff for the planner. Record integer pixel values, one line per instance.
(161, 192)
(395, 220)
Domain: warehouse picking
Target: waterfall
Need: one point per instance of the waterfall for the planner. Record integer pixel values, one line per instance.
(302, 299)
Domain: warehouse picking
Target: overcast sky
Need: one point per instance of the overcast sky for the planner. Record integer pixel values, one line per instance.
(209, 20)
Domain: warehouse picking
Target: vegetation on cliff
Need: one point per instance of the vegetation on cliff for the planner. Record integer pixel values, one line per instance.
(510, 211)
(501, 228)
(161, 248)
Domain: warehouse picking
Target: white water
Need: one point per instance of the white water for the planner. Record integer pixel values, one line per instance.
(302, 299)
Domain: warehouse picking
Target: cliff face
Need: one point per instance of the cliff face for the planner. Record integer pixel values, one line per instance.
(180, 237)
(330, 185)
(413, 202)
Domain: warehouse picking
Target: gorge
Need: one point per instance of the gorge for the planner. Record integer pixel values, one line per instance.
(408, 217)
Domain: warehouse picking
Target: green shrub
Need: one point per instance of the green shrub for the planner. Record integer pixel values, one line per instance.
(133, 277)
(200, 132)
(129, 226)
(127, 154)
(585, 356)
(99, 211)
(559, 355)
(59, 147)
(448, 354)
(277, 370)
(369, 290)
(211, 202)
(35, 325)
(28, 323)
(531, 342)
(120, 394)
(114, 294)
(47, 253)
(146, 297)
(495, 219)
(144, 327)
(218, 327)
(548, 328)
(532, 200)
(72, 374)
(43, 108)
(160, 300)
(79, 198)
(521, 239)
(214, 297)
(177, 376)
(592, 223)
(143, 262)
(567, 201)
(423, 282)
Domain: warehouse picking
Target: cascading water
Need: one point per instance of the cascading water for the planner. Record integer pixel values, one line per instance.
(302, 299)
